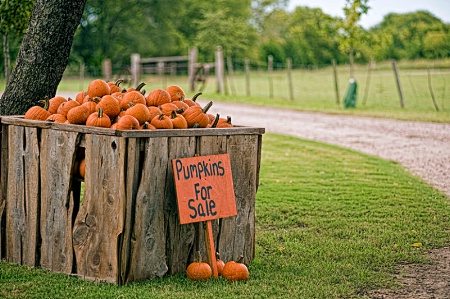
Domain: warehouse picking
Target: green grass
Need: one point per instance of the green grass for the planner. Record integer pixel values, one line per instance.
(330, 223)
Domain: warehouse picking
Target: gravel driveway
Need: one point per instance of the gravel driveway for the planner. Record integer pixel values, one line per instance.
(423, 148)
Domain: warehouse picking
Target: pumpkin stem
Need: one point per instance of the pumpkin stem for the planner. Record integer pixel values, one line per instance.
(138, 88)
(240, 260)
(194, 98)
(216, 121)
(118, 82)
(100, 113)
(161, 116)
(206, 108)
(229, 120)
(180, 111)
(45, 102)
(173, 114)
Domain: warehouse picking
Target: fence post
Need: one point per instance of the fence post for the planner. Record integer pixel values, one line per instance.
(289, 73)
(430, 87)
(135, 68)
(247, 75)
(399, 87)
(192, 64)
(270, 69)
(107, 70)
(219, 70)
(336, 85)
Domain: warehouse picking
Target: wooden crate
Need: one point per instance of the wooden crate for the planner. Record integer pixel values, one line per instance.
(121, 223)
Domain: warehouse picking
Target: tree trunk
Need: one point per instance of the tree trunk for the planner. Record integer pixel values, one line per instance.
(43, 55)
(7, 58)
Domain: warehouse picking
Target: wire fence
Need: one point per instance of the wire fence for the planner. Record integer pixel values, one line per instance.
(422, 85)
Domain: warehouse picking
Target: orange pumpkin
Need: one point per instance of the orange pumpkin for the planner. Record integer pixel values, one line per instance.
(167, 108)
(110, 106)
(66, 106)
(147, 126)
(178, 121)
(80, 97)
(158, 97)
(224, 122)
(114, 86)
(38, 112)
(235, 271)
(98, 88)
(57, 118)
(82, 168)
(98, 119)
(162, 121)
(176, 92)
(154, 111)
(220, 264)
(199, 270)
(54, 103)
(134, 97)
(140, 111)
(197, 115)
(192, 102)
(78, 115)
(127, 122)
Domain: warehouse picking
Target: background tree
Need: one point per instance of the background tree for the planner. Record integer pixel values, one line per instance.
(14, 16)
(43, 55)
(352, 32)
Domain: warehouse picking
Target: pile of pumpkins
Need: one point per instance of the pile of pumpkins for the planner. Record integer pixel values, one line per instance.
(107, 105)
(233, 270)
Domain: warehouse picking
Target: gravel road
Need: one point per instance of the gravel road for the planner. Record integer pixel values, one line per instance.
(423, 148)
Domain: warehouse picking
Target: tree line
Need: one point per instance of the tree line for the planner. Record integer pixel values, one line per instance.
(251, 29)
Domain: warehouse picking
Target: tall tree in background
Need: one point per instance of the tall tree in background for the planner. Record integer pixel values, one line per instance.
(14, 16)
(352, 32)
(43, 55)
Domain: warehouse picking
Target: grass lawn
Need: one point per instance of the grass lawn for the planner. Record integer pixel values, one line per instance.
(330, 223)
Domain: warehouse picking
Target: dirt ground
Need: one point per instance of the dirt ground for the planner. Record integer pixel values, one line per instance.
(423, 148)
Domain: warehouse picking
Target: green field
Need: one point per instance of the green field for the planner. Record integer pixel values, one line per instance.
(330, 223)
(314, 89)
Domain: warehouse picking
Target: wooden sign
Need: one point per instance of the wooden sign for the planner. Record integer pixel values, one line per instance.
(204, 188)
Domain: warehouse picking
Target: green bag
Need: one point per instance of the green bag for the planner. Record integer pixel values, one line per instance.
(350, 97)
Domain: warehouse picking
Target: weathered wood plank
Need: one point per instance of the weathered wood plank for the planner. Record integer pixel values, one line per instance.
(180, 238)
(3, 188)
(58, 150)
(100, 220)
(133, 176)
(148, 256)
(237, 234)
(22, 203)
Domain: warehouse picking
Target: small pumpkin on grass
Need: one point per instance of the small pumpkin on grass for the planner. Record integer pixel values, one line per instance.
(235, 271)
(220, 264)
(199, 270)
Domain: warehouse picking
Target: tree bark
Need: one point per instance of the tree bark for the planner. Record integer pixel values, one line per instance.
(7, 58)
(43, 55)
